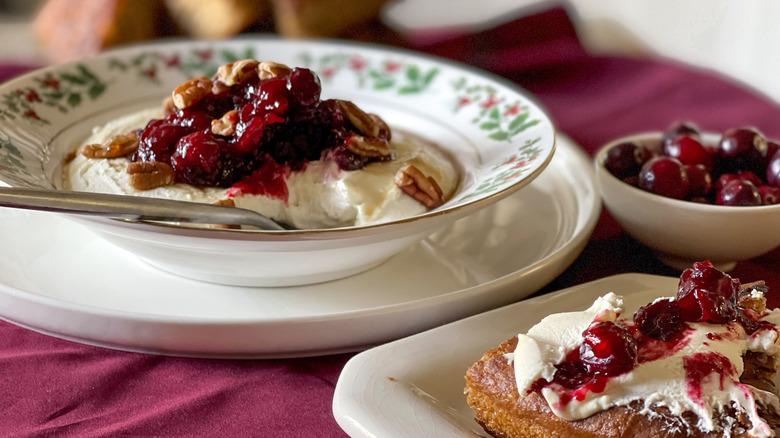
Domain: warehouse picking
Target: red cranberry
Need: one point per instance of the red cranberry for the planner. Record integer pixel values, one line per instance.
(773, 170)
(769, 195)
(738, 192)
(699, 179)
(750, 176)
(664, 176)
(197, 159)
(677, 129)
(707, 294)
(273, 97)
(725, 179)
(771, 149)
(158, 140)
(660, 319)
(626, 159)
(571, 374)
(608, 349)
(743, 148)
(632, 180)
(304, 86)
(689, 151)
(192, 118)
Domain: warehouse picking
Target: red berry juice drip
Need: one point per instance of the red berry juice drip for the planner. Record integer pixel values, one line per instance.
(701, 366)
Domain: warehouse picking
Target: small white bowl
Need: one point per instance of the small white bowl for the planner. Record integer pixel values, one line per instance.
(499, 136)
(683, 232)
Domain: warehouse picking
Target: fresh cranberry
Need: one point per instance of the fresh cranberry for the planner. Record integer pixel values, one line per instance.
(743, 148)
(699, 180)
(677, 129)
(750, 176)
(660, 319)
(304, 86)
(197, 159)
(773, 170)
(707, 294)
(770, 195)
(771, 149)
(664, 176)
(632, 180)
(724, 179)
(626, 159)
(688, 150)
(608, 349)
(738, 192)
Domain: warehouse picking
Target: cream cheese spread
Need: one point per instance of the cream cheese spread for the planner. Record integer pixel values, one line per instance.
(320, 196)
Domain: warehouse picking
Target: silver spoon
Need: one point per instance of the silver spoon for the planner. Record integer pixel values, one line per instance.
(132, 207)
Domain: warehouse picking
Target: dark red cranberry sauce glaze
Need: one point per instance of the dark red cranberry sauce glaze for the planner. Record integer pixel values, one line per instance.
(657, 330)
(742, 169)
(280, 124)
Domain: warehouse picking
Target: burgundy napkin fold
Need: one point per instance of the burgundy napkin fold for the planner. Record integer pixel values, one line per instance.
(53, 387)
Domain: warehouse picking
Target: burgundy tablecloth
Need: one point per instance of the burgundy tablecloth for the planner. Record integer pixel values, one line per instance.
(59, 388)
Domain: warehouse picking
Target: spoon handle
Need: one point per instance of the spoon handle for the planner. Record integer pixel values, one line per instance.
(131, 207)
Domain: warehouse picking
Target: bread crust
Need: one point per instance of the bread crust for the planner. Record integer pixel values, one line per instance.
(71, 29)
(492, 394)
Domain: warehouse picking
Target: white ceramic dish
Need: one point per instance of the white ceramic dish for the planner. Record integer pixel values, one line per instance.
(414, 386)
(682, 232)
(499, 136)
(57, 278)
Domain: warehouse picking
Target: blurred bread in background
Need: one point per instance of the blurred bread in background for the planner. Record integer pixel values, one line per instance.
(71, 29)
(322, 18)
(217, 19)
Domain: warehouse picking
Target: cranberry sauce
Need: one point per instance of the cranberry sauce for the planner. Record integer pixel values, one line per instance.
(253, 132)
(659, 329)
(701, 366)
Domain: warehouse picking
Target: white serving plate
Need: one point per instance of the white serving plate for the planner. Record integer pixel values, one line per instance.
(58, 278)
(414, 386)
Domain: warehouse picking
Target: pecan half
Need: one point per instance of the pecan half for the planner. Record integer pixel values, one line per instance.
(361, 120)
(748, 300)
(121, 145)
(422, 188)
(227, 203)
(191, 91)
(268, 70)
(226, 125)
(367, 146)
(381, 129)
(168, 107)
(147, 175)
(237, 71)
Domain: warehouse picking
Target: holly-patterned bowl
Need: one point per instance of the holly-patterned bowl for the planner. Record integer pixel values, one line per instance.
(500, 138)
